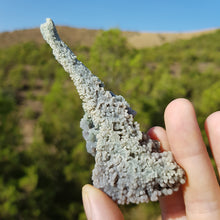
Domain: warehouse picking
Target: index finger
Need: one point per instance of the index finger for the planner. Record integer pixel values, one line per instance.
(172, 206)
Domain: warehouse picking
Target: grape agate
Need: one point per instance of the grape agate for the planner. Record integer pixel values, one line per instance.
(129, 166)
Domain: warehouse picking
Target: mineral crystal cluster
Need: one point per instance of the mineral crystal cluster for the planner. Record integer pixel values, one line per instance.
(129, 166)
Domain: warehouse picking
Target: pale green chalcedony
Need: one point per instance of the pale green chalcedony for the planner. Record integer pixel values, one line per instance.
(129, 166)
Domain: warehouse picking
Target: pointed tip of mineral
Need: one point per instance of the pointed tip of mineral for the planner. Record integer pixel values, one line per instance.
(49, 22)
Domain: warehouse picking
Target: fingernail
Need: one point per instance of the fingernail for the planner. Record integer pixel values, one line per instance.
(86, 203)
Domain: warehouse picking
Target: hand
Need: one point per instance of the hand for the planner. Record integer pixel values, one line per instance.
(199, 198)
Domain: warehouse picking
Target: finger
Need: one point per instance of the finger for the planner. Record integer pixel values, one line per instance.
(98, 205)
(159, 134)
(201, 193)
(212, 127)
(172, 207)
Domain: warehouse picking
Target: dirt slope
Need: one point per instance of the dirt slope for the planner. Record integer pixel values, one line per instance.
(80, 36)
(72, 36)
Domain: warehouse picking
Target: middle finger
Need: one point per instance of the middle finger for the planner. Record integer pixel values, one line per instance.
(201, 193)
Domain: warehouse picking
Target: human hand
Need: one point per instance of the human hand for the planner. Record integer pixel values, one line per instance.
(199, 198)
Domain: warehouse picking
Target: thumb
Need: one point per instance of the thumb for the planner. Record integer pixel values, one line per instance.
(98, 205)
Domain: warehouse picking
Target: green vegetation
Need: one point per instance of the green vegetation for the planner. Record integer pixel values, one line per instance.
(43, 158)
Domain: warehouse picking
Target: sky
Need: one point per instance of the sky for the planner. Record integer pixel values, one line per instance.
(136, 15)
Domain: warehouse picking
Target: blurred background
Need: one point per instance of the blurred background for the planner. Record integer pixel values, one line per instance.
(150, 52)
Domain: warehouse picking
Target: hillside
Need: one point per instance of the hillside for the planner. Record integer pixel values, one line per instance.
(74, 36)
(86, 37)
(43, 157)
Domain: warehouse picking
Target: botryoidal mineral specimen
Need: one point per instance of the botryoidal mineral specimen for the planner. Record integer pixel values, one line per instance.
(129, 166)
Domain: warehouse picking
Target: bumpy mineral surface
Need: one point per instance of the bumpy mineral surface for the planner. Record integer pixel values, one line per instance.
(129, 166)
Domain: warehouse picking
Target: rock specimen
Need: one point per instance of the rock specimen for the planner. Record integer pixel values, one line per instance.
(129, 166)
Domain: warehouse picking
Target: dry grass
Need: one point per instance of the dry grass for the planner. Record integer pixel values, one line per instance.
(141, 40)
(80, 36)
